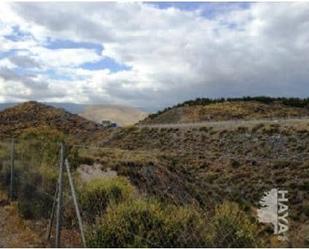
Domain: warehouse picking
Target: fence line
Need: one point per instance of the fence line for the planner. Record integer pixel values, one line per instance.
(80, 223)
(12, 168)
(59, 198)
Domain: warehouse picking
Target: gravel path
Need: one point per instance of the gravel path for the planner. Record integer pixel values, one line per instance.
(232, 123)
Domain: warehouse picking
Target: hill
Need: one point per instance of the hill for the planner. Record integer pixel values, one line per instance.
(207, 165)
(14, 120)
(70, 107)
(199, 166)
(122, 115)
(230, 109)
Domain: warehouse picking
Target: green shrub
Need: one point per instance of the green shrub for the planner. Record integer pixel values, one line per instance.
(5, 178)
(32, 188)
(306, 209)
(39, 146)
(305, 186)
(146, 223)
(230, 227)
(234, 163)
(35, 190)
(35, 207)
(97, 194)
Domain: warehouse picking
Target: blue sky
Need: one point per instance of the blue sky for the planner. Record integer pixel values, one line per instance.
(104, 63)
(58, 43)
(207, 9)
(152, 54)
(108, 63)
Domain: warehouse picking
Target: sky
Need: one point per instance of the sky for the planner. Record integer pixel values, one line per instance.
(152, 55)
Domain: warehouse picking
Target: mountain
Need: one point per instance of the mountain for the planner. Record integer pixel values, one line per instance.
(16, 119)
(70, 107)
(202, 110)
(122, 115)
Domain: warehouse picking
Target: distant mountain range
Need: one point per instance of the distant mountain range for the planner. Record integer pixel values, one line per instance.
(122, 115)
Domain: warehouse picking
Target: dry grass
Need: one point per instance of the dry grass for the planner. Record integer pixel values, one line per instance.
(227, 111)
(13, 230)
(208, 165)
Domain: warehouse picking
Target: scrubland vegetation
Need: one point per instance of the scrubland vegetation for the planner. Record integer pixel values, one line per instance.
(174, 187)
(122, 217)
(131, 220)
(115, 212)
(288, 102)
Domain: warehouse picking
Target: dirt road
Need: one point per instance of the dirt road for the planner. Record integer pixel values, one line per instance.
(232, 123)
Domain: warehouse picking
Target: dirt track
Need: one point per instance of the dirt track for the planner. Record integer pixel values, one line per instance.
(232, 123)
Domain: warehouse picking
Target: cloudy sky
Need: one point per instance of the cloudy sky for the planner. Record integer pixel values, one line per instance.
(152, 55)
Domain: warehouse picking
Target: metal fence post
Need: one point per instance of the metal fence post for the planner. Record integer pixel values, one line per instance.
(12, 168)
(80, 223)
(52, 215)
(59, 198)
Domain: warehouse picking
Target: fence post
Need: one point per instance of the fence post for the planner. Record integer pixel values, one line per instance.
(12, 168)
(59, 198)
(52, 215)
(75, 203)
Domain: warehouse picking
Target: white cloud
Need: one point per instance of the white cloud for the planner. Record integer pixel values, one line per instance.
(173, 54)
(63, 57)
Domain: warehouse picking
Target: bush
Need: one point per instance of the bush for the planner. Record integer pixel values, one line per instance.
(306, 209)
(40, 146)
(34, 202)
(97, 194)
(305, 186)
(292, 102)
(234, 163)
(36, 207)
(5, 178)
(146, 223)
(230, 227)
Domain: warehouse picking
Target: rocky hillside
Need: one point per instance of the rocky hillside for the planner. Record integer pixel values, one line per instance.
(234, 109)
(122, 115)
(15, 120)
(70, 107)
(206, 165)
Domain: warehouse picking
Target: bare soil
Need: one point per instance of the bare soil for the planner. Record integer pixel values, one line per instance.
(13, 231)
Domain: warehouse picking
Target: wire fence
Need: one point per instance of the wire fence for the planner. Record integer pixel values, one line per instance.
(82, 199)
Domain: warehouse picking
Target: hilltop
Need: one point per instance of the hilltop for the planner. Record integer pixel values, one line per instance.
(14, 120)
(70, 107)
(122, 115)
(201, 110)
